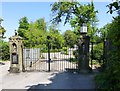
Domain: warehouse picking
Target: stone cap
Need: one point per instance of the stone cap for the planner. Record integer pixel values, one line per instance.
(15, 37)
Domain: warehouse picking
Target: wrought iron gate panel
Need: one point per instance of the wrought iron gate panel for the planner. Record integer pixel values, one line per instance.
(37, 60)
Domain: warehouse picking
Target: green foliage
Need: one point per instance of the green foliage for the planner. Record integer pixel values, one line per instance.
(59, 9)
(104, 31)
(35, 34)
(70, 38)
(95, 62)
(65, 50)
(2, 30)
(73, 60)
(41, 24)
(76, 14)
(114, 6)
(24, 23)
(114, 32)
(23, 26)
(4, 48)
(55, 50)
(82, 13)
(98, 52)
(110, 77)
(57, 39)
(92, 32)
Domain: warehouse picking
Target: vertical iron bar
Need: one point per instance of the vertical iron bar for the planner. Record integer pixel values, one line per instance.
(103, 52)
(64, 62)
(26, 61)
(48, 56)
(70, 59)
(91, 53)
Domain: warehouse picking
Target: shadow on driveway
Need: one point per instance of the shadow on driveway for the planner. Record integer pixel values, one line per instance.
(67, 80)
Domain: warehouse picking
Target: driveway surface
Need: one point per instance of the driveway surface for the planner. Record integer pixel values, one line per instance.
(44, 80)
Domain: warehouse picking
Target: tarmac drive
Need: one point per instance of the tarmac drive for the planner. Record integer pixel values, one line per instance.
(44, 80)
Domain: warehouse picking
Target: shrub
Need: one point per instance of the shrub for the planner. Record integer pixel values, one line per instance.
(98, 52)
(4, 51)
(65, 49)
(110, 78)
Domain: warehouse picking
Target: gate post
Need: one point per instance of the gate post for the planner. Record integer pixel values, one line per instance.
(83, 54)
(83, 51)
(16, 57)
(48, 37)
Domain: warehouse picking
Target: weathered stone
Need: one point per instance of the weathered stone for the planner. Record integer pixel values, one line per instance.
(83, 57)
(16, 57)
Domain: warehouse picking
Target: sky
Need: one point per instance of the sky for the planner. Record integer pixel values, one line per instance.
(11, 12)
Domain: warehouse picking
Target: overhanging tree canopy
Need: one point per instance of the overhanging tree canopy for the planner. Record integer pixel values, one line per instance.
(70, 10)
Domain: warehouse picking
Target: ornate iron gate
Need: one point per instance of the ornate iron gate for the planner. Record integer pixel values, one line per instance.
(35, 59)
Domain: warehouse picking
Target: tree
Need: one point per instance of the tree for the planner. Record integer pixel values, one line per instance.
(114, 32)
(76, 14)
(57, 39)
(41, 24)
(104, 31)
(4, 50)
(98, 52)
(109, 78)
(34, 36)
(23, 26)
(4, 47)
(23, 23)
(2, 30)
(34, 33)
(80, 13)
(70, 38)
(114, 6)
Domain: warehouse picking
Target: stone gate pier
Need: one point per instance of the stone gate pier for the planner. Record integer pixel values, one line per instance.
(16, 57)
